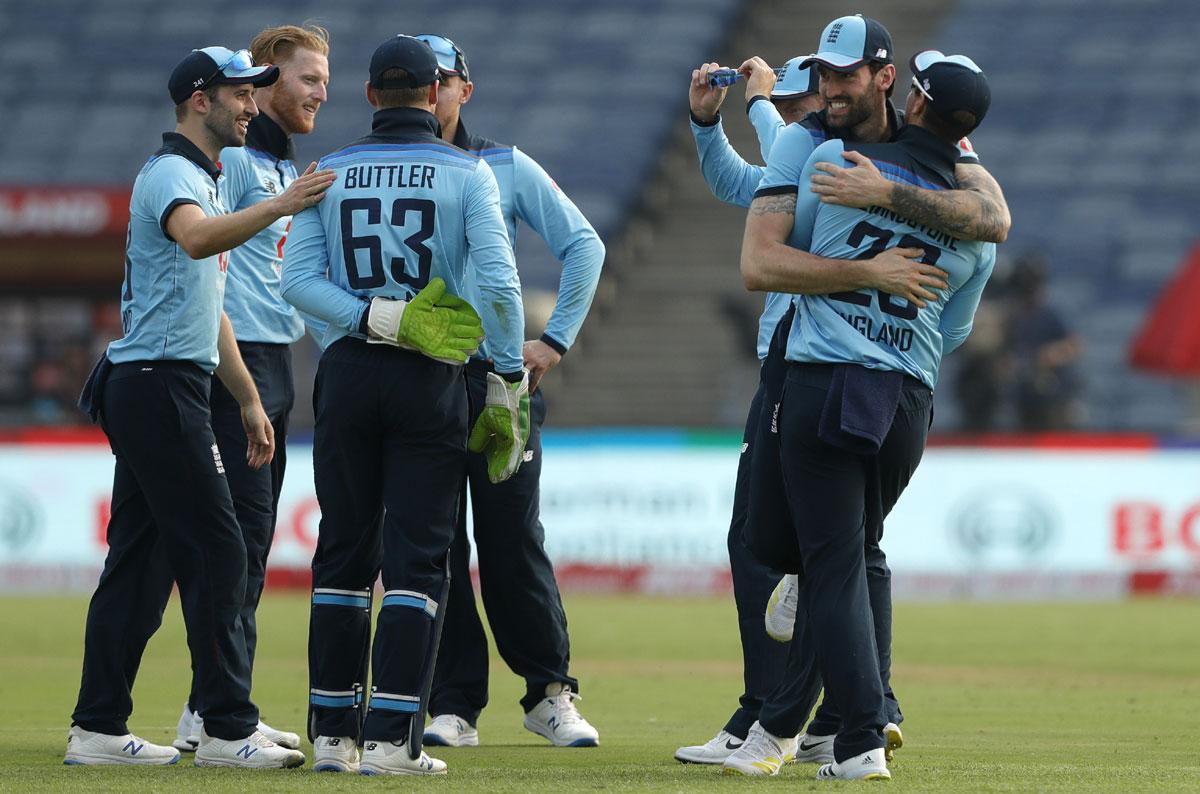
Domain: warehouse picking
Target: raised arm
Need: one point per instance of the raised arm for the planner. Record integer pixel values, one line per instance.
(730, 178)
(976, 211)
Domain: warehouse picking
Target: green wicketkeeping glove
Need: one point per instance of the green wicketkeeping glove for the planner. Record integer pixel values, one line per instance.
(502, 429)
(435, 323)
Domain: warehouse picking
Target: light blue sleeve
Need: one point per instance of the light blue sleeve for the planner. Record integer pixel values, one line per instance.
(171, 182)
(306, 283)
(572, 240)
(789, 153)
(495, 271)
(807, 202)
(730, 178)
(959, 314)
(767, 123)
(237, 175)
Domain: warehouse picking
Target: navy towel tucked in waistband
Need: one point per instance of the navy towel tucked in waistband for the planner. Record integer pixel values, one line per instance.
(859, 408)
(92, 396)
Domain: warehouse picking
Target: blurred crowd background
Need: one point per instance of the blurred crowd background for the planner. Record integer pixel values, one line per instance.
(1089, 323)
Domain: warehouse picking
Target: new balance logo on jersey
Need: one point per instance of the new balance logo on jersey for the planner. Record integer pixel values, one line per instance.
(745, 446)
(528, 456)
(131, 748)
(246, 751)
(834, 32)
(216, 451)
(269, 186)
(775, 420)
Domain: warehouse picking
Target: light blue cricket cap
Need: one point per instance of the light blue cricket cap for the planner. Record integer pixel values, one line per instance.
(849, 42)
(793, 80)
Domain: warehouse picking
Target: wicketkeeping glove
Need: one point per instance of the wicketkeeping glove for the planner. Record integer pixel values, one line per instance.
(502, 429)
(437, 324)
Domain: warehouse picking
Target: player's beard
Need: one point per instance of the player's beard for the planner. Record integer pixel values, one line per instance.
(858, 111)
(291, 115)
(222, 126)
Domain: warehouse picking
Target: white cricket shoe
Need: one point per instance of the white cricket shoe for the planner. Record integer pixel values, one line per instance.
(812, 749)
(864, 766)
(895, 740)
(282, 738)
(557, 719)
(187, 732)
(780, 617)
(335, 754)
(762, 754)
(449, 730)
(252, 752)
(714, 751)
(391, 758)
(90, 748)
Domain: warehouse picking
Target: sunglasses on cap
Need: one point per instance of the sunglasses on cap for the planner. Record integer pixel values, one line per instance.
(241, 61)
(450, 57)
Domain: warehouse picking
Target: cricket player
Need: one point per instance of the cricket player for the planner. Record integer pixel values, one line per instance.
(857, 105)
(792, 98)
(519, 590)
(856, 403)
(264, 324)
(173, 519)
(383, 263)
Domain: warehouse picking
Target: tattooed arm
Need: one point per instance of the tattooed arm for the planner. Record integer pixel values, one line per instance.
(769, 263)
(976, 211)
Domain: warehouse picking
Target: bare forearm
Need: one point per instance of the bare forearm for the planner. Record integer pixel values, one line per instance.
(231, 369)
(975, 212)
(211, 236)
(777, 267)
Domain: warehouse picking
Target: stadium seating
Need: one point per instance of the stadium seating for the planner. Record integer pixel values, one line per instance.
(578, 85)
(1084, 135)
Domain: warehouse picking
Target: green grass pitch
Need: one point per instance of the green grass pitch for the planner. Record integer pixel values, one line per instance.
(1013, 697)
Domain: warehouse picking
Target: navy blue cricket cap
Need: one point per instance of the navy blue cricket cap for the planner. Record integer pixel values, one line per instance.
(849, 42)
(408, 53)
(216, 65)
(951, 83)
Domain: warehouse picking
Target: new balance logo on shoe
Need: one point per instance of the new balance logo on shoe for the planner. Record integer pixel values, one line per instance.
(133, 749)
(334, 742)
(372, 745)
(246, 751)
(553, 723)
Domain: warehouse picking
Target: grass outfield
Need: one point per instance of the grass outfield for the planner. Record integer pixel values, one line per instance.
(1056, 697)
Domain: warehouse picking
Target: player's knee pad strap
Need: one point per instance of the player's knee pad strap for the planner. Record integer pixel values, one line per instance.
(328, 596)
(412, 600)
(386, 701)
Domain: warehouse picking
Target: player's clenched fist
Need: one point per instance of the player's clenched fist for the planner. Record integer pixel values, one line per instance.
(307, 189)
(703, 99)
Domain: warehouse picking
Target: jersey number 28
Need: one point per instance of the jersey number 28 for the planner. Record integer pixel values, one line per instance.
(887, 304)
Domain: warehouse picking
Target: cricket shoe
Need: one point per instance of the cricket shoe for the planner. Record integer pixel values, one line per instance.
(780, 617)
(448, 730)
(557, 719)
(252, 752)
(85, 748)
(335, 754)
(714, 751)
(813, 749)
(762, 754)
(392, 758)
(282, 738)
(864, 766)
(895, 740)
(187, 732)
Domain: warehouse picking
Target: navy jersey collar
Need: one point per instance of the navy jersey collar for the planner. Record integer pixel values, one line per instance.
(927, 148)
(267, 136)
(404, 121)
(175, 143)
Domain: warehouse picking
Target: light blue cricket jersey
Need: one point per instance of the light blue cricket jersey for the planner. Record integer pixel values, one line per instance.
(527, 193)
(870, 327)
(170, 303)
(260, 170)
(405, 207)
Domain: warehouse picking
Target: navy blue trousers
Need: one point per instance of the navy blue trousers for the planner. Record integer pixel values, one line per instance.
(255, 492)
(516, 579)
(389, 458)
(172, 521)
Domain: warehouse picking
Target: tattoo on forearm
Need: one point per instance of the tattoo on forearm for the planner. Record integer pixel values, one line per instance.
(964, 214)
(770, 205)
